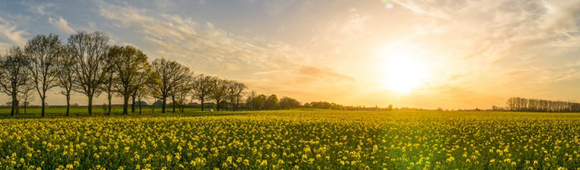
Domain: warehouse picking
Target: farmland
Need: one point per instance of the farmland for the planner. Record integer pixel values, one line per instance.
(294, 139)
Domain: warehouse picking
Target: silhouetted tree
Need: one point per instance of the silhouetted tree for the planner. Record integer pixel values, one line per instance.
(236, 90)
(272, 103)
(44, 52)
(90, 52)
(219, 91)
(251, 100)
(201, 88)
(65, 77)
(289, 103)
(170, 74)
(14, 75)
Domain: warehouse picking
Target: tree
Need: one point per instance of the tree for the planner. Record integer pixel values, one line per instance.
(180, 91)
(44, 52)
(289, 103)
(259, 102)
(145, 82)
(251, 100)
(131, 71)
(170, 74)
(27, 95)
(65, 77)
(14, 75)
(272, 103)
(201, 88)
(89, 51)
(219, 91)
(236, 90)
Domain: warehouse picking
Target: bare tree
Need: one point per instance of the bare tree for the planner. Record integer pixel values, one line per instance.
(251, 100)
(44, 52)
(27, 95)
(201, 86)
(181, 91)
(237, 89)
(14, 68)
(90, 53)
(219, 91)
(65, 77)
(170, 74)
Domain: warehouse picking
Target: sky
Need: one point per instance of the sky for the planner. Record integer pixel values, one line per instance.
(452, 54)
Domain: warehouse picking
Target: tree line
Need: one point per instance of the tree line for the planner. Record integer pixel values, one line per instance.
(539, 105)
(87, 64)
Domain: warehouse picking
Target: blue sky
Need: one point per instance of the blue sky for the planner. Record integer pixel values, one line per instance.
(422, 53)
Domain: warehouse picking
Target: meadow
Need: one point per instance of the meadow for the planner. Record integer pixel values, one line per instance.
(293, 139)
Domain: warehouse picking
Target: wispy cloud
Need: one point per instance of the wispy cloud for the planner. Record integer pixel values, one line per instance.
(61, 24)
(10, 32)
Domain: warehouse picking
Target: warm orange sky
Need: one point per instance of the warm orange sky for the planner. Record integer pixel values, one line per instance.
(413, 53)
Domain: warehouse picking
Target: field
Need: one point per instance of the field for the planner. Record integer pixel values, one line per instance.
(295, 139)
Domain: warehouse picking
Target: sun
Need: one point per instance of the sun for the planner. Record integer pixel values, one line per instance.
(403, 72)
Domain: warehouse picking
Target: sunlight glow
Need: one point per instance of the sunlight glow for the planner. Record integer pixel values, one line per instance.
(403, 71)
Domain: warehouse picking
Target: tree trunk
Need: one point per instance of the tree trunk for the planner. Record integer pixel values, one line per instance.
(139, 106)
(173, 104)
(133, 104)
(109, 97)
(217, 105)
(90, 106)
(42, 99)
(125, 104)
(202, 105)
(67, 104)
(163, 105)
(14, 104)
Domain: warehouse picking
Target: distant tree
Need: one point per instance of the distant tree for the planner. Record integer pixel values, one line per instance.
(272, 103)
(171, 74)
(236, 93)
(289, 103)
(181, 91)
(145, 83)
(219, 91)
(27, 95)
(131, 70)
(44, 52)
(14, 75)
(251, 100)
(201, 88)
(110, 81)
(65, 77)
(259, 102)
(90, 53)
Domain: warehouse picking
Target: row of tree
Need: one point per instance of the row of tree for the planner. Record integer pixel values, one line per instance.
(263, 102)
(89, 65)
(539, 105)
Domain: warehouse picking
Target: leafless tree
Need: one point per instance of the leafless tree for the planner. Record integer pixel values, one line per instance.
(171, 74)
(201, 86)
(251, 100)
(90, 53)
(44, 52)
(14, 75)
(65, 77)
(238, 92)
(219, 91)
(27, 95)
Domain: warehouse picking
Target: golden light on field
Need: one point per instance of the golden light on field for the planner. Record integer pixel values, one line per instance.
(402, 71)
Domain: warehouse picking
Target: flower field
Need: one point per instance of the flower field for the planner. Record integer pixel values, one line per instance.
(297, 139)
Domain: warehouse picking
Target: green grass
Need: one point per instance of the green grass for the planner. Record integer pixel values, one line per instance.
(293, 139)
(82, 111)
